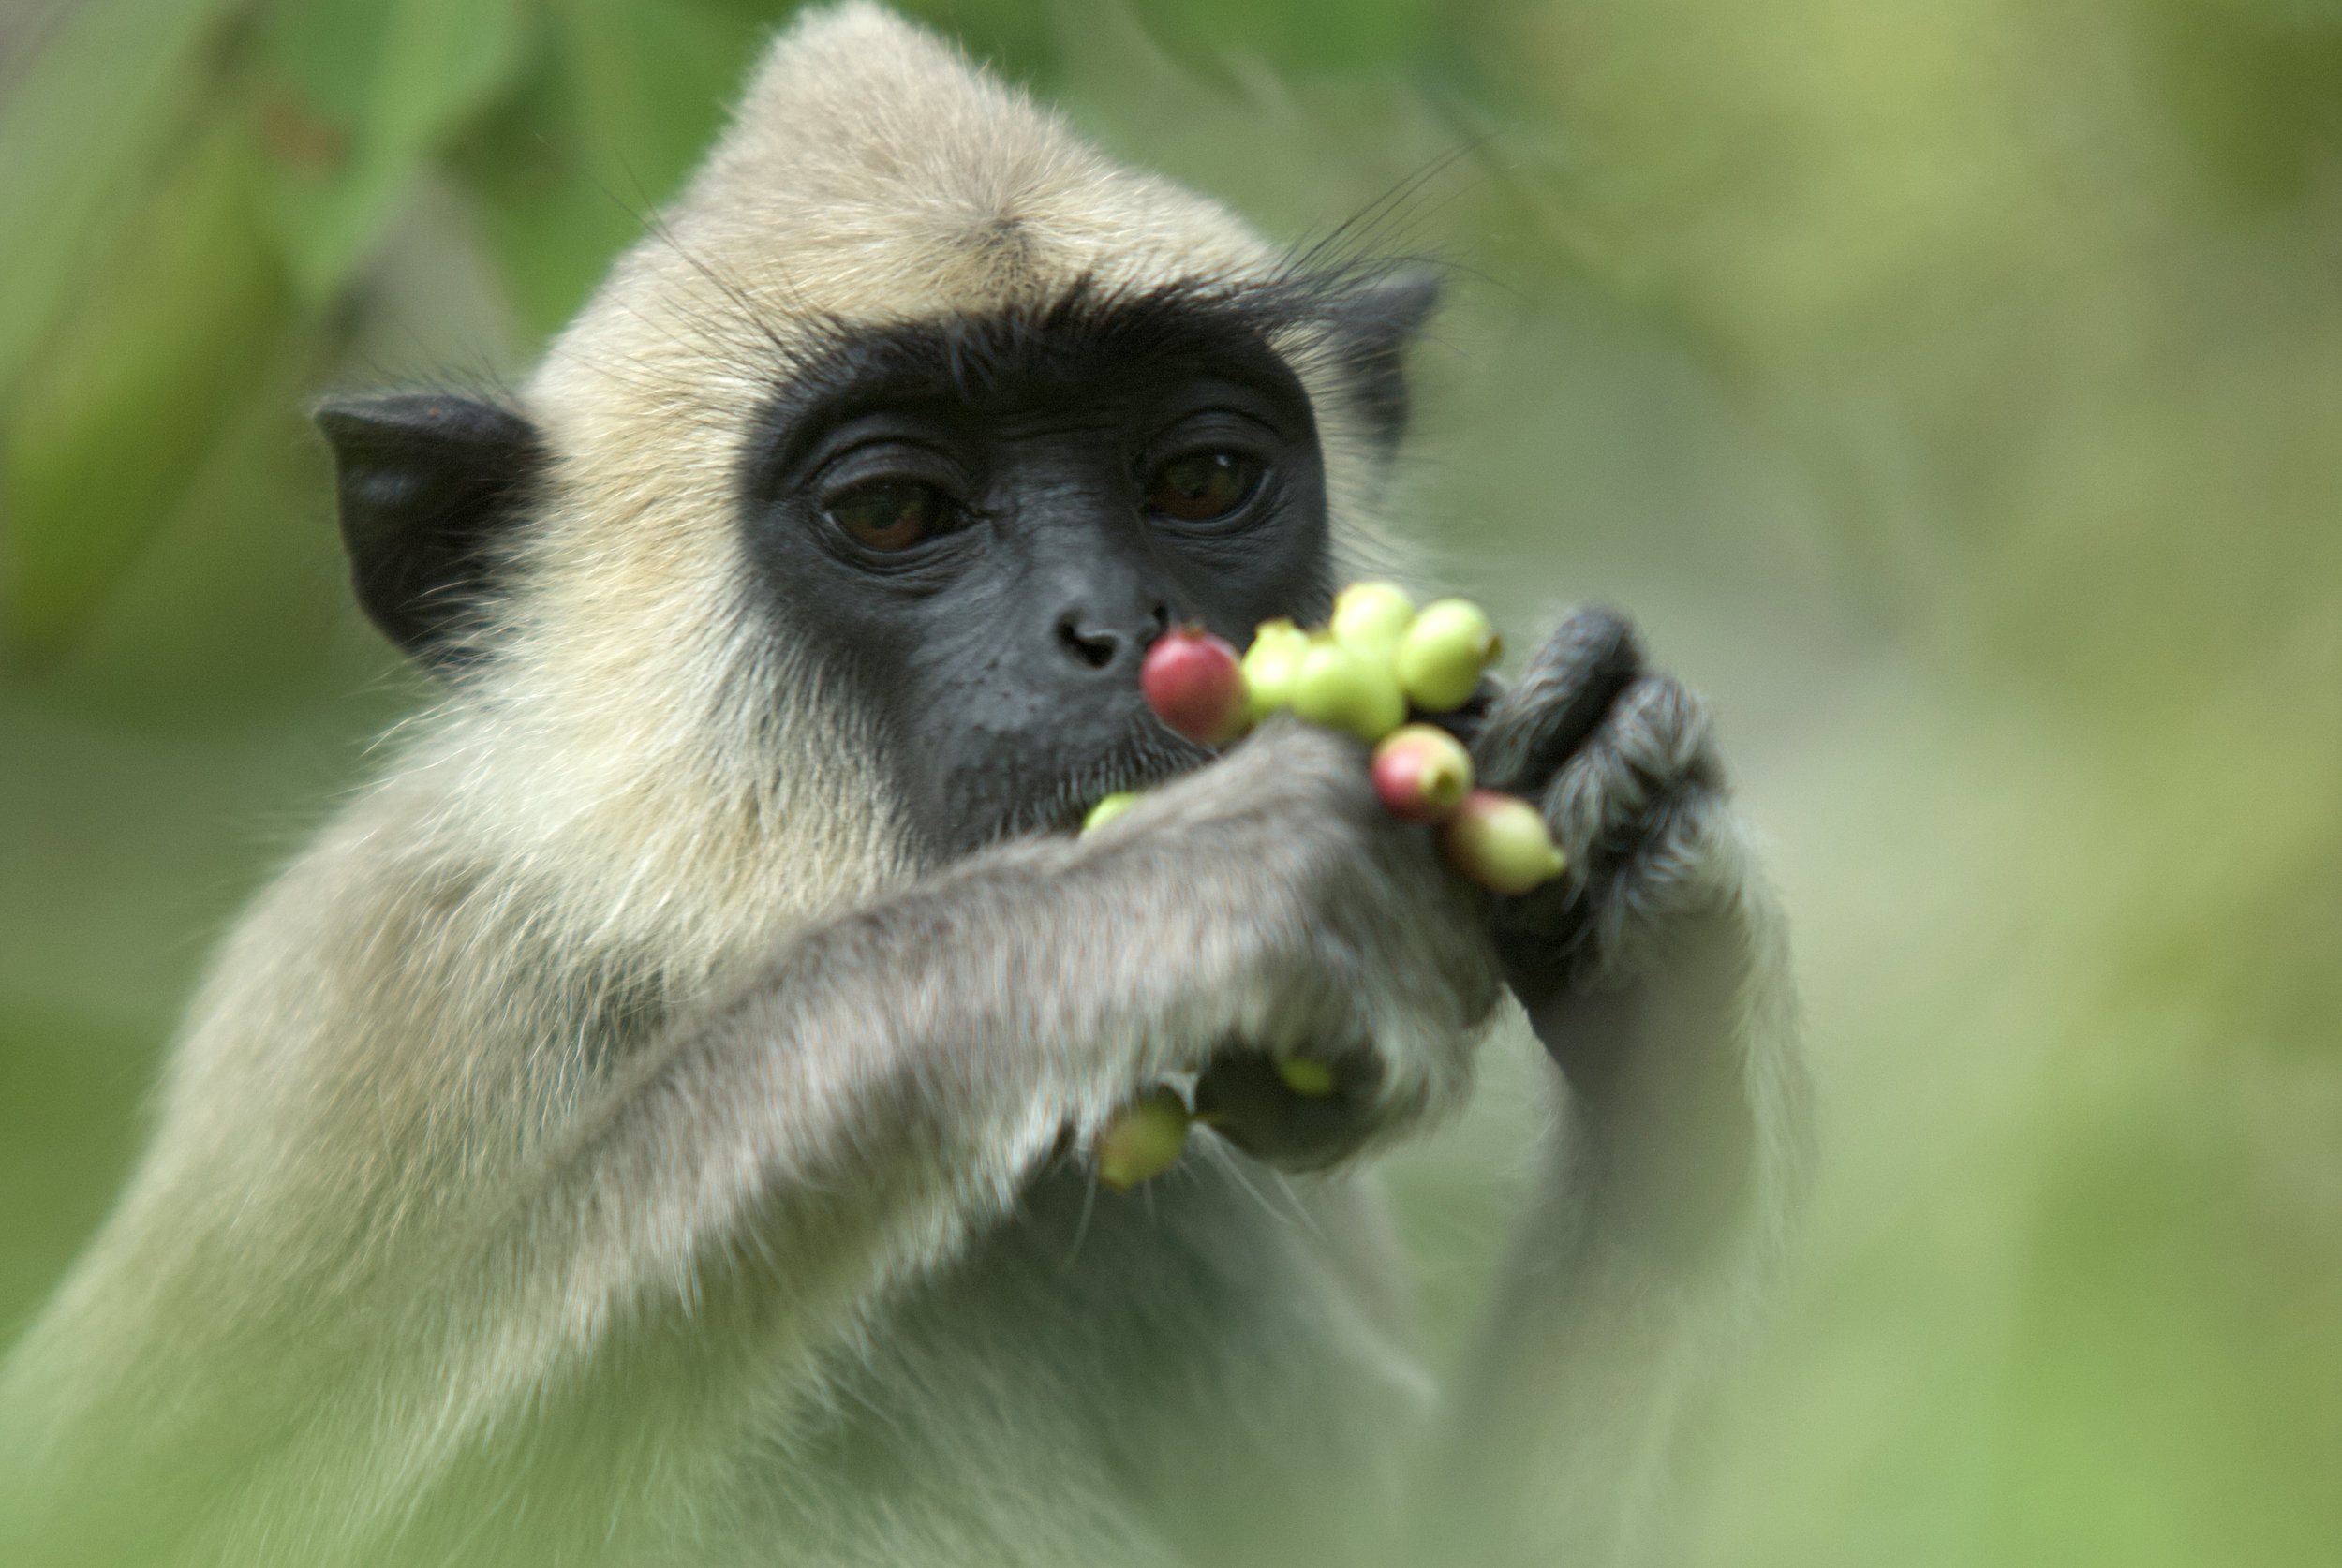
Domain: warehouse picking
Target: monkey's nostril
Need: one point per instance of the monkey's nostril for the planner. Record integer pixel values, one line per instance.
(1094, 648)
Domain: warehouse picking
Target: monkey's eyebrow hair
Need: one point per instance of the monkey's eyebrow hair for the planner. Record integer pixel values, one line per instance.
(1082, 336)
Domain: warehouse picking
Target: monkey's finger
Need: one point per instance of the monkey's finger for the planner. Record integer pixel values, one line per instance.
(1622, 808)
(1571, 682)
(1245, 1098)
(1655, 740)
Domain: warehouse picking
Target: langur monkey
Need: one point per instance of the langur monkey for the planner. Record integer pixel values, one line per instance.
(647, 1125)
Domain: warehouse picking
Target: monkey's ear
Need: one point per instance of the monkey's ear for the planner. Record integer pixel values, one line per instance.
(425, 485)
(1373, 324)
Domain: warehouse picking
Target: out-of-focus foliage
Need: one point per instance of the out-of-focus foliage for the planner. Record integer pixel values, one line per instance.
(1951, 389)
(199, 189)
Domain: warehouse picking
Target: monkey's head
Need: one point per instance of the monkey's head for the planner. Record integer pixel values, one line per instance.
(858, 491)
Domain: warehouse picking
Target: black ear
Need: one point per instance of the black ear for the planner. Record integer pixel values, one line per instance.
(426, 484)
(1373, 324)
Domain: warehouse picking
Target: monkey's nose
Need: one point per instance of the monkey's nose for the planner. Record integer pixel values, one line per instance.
(1096, 642)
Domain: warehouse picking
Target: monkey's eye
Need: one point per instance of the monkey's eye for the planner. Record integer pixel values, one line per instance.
(891, 514)
(1204, 485)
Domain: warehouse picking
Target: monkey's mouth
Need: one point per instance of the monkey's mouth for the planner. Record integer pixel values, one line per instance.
(1146, 756)
(1020, 783)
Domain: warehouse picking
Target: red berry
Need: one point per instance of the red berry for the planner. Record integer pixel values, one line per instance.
(1421, 773)
(1195, 683)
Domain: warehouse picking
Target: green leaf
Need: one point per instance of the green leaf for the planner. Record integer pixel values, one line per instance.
(614, 114)
(1336, 35)
(78, 135)
(237, 606)
(122, 402)
(355, 94)
(653, 80)
(1014, 38)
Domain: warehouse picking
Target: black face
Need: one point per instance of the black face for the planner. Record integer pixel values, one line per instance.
(980, 524)
(986, 523)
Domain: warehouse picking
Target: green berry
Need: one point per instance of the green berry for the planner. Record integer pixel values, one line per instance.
(1501, 842)
(1144, 1141)
(1306, 1076)
(1270, 664)
(1338, 687)
(1370, 617)
(1108, 810)
(1439, 659)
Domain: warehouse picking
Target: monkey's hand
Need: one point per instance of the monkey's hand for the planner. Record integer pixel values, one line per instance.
(1655, 973)
(1371, 960)
(1650, 963)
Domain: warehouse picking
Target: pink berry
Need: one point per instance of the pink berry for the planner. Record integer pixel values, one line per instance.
(1195, 683)
(1421, 773)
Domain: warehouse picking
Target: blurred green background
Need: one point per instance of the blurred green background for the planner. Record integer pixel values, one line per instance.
(1954, 390)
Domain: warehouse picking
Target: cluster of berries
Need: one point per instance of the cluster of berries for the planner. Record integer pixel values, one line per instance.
(1377, 659)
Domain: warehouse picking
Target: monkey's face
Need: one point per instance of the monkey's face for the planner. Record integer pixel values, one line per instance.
(845, 509)
(982, 525)
(888, 585)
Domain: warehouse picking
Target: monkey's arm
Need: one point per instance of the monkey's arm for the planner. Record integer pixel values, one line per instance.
(1656, 975)
(547, 1323)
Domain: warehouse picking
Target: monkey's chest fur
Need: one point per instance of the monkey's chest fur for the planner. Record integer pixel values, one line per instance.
(1216, 1368)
